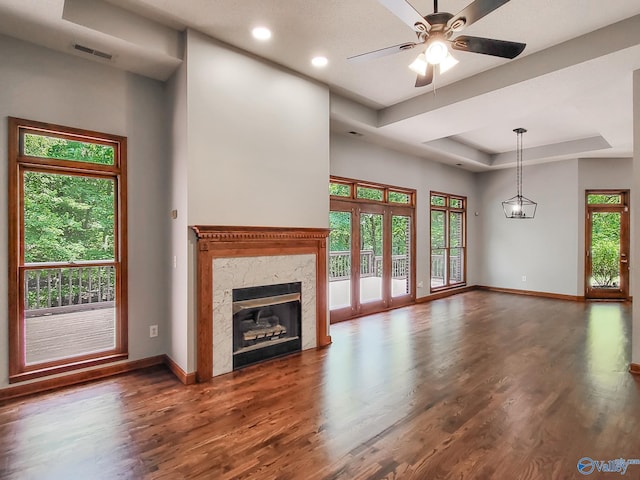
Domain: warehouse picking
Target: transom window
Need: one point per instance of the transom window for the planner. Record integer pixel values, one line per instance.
(67, 249)
(352, 189)
(604, 198)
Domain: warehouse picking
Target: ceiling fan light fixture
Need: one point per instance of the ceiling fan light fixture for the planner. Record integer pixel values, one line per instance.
(435, 33)
(448, 63)
(436, 52)
(419, 65)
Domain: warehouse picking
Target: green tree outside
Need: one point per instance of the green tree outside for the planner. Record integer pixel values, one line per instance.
(68, 217)
(605, 248)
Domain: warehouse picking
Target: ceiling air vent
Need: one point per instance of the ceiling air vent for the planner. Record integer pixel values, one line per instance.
(91, 51)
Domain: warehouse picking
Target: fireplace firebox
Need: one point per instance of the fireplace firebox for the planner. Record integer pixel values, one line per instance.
(266, 322)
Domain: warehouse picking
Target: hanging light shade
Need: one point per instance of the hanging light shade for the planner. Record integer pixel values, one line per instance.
(519, 206)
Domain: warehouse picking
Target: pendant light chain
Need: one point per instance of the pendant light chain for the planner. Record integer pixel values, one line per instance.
(519, 207)
(519, 132)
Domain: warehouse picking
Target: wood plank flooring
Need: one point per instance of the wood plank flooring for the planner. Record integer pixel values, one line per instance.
(481, 385)
(52, 337)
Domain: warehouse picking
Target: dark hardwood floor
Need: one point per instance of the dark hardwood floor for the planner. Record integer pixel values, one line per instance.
(477, 386)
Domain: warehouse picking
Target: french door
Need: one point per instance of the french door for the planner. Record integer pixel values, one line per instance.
(371, 258)
(607, 244)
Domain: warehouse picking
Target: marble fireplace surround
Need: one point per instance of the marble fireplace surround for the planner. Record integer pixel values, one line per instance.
(234, 257)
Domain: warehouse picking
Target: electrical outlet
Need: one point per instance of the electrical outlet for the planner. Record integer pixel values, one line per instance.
(153, 331)
(524, 278)
(175, 262)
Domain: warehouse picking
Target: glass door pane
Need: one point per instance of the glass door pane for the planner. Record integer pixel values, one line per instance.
(371, 225)
(438, 252)
(69, 270)
(456, 265)
(605, 250)
(400, 255)
(456, 252)
(339, 260)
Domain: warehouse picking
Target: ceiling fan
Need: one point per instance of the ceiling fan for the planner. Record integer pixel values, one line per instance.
(435, 32)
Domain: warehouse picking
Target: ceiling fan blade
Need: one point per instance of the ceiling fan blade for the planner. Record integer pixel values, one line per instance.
(426, 79)
(475, 11)
(383, 52)
(488, 46)
(405, 12)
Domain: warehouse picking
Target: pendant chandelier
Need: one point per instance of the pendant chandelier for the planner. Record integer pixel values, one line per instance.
(519, 206)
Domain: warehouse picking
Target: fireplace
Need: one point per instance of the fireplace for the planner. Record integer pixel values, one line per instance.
(232, 259)
(266, 322)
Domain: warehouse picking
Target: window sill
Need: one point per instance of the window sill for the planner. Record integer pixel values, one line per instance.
(33, 372)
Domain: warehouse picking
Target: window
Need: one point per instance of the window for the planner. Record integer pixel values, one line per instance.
(448, 241)
(67, 249)
(399, 197)
(368, 193)
(604, 198)
(339, 189)
(346, 188)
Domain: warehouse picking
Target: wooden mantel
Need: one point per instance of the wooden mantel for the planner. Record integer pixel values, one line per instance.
(229, 242)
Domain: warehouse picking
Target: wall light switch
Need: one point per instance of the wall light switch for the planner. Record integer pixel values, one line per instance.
(524, 278)
(153, 331)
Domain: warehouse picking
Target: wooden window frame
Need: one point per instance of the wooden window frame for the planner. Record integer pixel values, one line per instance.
(623, 208)
(18, 165)
(447, 209)
(354, 184)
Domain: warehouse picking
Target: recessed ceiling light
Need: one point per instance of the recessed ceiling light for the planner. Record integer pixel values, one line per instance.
(261, 33)
(319, 62)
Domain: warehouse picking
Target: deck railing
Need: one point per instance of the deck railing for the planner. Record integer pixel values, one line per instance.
(48, 288)
(370, 265)
(438, 267)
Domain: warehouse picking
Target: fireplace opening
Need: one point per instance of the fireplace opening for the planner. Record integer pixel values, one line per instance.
(266, 322)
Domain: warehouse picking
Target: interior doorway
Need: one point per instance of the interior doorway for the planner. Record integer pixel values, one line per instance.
(607, 244)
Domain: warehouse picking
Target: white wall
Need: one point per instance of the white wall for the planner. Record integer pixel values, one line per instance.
(250, 147)
(542, 249)
(355, 158)
(258, 141)
(178, 339)
(40, 84)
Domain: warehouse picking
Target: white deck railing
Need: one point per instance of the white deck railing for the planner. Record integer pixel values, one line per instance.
(370, 265)
(438, 267)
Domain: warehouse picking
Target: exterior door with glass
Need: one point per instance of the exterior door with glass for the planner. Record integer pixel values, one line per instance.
(372, 286)
(607, 244)
(371, 249)
(342, 268)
